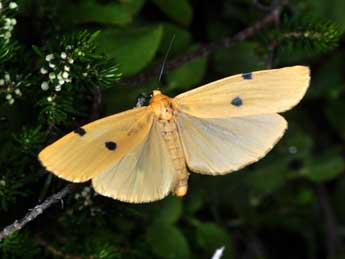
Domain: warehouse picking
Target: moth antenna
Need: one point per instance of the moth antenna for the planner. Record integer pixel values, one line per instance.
(165, 58)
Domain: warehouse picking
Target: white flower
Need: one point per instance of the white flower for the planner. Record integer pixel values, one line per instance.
(70, 60)
(11, 101)
(7, 77)
(13, 21)
(61, 82)
(45, 86)
(43, 71)
(85, 74)
(8, 96)
(51, 65)
(49, 57)
(13, 5)
(0, 5)
(65, 75)
(63, 55)
(2, 82)
(18, 92)
(7, 23)
(68, 80)
(59, 76)
(2, 182)
(67, 68)
(68, 47)
(52, 76)
(49, 99)
(7, 20)
(58, 88)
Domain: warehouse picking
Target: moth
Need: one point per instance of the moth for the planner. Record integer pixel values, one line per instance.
(143, 154)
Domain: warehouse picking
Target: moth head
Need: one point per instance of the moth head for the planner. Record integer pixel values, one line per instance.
(161, 105)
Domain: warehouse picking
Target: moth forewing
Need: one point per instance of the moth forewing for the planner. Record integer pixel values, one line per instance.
(95, 147)
(261, 92)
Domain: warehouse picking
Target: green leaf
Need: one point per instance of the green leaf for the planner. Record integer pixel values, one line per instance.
(267, 178)
(133, 49)
(324, 167)
(179, 10)
(167, 241)
(38, 51)
(187, 75)
(210, 237)
(170, 210)
(117, 13)
(194, 201)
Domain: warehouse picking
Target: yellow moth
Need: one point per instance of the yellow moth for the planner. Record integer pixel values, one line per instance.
(143, 154)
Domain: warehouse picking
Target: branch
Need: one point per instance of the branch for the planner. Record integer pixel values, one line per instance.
(208, 48)
(36, 211)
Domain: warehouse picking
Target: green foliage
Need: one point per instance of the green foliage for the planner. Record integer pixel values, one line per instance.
(134, 48)
(111, 12)
(17, 245)
(308, 33)
(167, 241)
(210, 236)
(60, 63)
(179, 10)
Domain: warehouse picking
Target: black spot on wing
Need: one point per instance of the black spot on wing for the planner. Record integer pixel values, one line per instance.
(110, 145)
(247, 76)
(237, 101)
(80, 131)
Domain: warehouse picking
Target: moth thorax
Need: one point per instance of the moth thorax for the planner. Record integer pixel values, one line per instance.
(162, 106)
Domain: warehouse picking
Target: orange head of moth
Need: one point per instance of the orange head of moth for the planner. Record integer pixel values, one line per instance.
(162, 105)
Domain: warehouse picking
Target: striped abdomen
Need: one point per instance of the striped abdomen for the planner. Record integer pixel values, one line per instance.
(170, 134)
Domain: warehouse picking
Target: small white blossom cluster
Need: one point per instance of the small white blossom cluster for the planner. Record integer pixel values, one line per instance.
(11, 88)
(57, 70)
(7, 23)
(85, 197)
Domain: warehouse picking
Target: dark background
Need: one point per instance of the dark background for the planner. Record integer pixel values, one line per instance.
(287, 205)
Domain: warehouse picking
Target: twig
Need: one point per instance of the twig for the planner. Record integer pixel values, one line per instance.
(206, 48)
(36, 211)
(332, 238)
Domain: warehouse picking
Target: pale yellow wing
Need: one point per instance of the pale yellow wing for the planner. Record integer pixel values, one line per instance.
(96, 147)
(262, 92)
(219, 146)
(144, 174)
